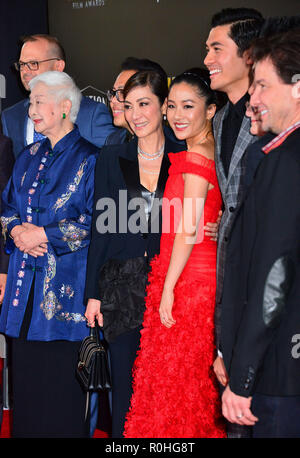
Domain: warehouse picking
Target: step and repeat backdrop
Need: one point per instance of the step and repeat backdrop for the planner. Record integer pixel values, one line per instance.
(17, 18)
(99, 34)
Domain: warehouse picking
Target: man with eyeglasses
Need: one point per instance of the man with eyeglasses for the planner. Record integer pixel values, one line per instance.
(129, 67)
(39, 54)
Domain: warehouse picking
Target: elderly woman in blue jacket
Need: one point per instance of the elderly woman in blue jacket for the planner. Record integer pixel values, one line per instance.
(47, 210)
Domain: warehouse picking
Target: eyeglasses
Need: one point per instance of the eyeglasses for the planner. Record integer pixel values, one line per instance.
(118, 93)
(32, 65)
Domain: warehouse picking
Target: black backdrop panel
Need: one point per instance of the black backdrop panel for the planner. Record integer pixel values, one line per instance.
(17, 18)
(99, 34)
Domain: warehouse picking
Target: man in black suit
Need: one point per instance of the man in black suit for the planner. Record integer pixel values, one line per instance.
(260, 329)
(227, 59)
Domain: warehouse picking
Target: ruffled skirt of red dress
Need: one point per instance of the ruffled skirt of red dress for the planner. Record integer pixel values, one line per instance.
(175, 390)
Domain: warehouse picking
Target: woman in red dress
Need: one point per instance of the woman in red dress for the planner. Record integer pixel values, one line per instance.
(175, 391)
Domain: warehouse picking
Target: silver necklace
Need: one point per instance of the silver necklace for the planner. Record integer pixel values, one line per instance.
(151, 157)
(151, 172)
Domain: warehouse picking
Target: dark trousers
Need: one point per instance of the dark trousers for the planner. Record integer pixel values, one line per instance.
(48, 401)
(123, 352)
(279, 417)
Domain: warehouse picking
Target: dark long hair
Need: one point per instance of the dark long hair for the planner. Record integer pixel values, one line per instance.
(154, 80)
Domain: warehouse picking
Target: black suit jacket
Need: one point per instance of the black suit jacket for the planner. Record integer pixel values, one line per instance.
(252, 158)
(6, 166)
(260, 318)
(117, 171)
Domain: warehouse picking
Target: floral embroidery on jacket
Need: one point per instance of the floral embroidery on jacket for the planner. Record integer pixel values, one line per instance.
(71, 188)
(72, 234)
(66, 290)
(33, 150)
(65, 172)
(66, 316)
(50, 272)
(51, 305)
(82, 219)
(5, 221)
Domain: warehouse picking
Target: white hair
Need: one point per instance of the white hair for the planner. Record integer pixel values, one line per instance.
(61, 86)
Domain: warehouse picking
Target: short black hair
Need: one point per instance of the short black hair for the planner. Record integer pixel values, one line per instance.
(246, 24)
(243, 33)
(143, 65)
(279, 24)
(230, 15)
(283, 50)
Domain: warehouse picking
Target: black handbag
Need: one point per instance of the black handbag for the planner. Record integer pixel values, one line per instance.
(92, 368)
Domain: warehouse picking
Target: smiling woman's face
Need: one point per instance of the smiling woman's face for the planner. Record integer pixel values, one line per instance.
(143, 111)
(44, 110)
(187, 112)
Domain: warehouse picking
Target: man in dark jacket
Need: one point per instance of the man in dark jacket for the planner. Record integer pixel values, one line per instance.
(260, 329)
(39, 54)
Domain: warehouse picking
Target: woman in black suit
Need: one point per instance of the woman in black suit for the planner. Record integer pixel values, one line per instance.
(129, 182)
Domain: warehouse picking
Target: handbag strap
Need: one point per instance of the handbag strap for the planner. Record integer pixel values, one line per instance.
(95, 332)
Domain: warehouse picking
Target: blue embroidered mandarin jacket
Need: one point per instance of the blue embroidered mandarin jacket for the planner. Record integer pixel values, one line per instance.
(52, 188)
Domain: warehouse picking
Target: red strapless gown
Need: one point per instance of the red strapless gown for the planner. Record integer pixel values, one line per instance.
(175, 390)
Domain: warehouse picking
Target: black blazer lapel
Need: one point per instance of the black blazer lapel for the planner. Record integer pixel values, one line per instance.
(130, 169)
(170, 147)
(163, 176)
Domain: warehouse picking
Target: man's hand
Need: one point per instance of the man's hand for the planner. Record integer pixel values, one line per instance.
(236, 409)
(3, 278)
(212, 229)
(220, 371)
